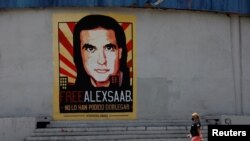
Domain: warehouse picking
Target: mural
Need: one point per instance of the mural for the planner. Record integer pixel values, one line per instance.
(94, 57)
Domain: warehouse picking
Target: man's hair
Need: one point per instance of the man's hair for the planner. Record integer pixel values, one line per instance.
(91, 22)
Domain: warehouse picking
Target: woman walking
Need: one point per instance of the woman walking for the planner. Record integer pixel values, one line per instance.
(195, 130)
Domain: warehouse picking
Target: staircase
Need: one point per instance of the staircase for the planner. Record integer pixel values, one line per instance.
(137, 130)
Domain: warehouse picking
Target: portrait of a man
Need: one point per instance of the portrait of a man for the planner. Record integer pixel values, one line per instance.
(94, 57)
(100, 53)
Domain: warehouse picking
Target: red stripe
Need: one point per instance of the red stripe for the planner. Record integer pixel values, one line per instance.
(130, 45)
(131, 74)
(65, 42)
(67, 62)
(125, 25)
(71, 26)
(63, 71)
(130, 63)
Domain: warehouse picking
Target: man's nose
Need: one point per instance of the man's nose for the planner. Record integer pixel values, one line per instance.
(101, 58)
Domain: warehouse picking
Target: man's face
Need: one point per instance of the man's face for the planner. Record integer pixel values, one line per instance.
(100, 53)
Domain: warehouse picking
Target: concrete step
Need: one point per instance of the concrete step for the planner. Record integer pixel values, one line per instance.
(84, 133)
(120, 128)
(80, 134)
(120, 123)
(104, 137)
(164, 139)
(123, 121)
(114, 131)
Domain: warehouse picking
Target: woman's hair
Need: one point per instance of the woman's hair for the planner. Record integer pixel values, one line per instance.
(196, 116)
(91, 22)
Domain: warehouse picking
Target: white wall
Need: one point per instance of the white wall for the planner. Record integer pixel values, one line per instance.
(190, 64)
(185, 62)
(26, 73)
(16, 129)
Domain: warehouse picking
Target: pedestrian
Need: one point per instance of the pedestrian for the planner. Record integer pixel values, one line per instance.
(195, 130)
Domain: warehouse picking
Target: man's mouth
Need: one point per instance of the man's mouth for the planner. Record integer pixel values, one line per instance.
(101, 70)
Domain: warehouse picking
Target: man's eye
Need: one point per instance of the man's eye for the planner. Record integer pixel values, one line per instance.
(90, 49)
(110, 48)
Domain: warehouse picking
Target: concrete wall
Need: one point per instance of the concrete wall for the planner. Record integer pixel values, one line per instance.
(187, 61)
(190, 64)
(26, 75)
(16, 129)
(235, 120)
(245, 44)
